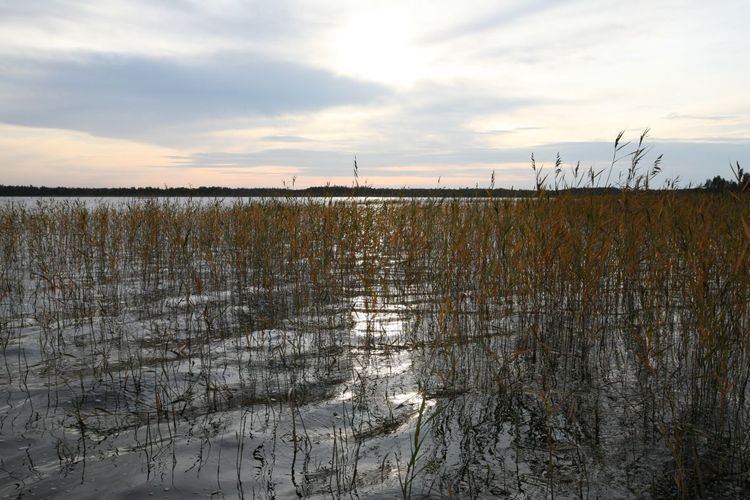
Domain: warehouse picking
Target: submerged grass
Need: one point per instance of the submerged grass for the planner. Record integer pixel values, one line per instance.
(569, 344)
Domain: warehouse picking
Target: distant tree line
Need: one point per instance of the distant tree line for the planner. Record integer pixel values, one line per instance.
(217, 191)
(718, 183)
(741, 181)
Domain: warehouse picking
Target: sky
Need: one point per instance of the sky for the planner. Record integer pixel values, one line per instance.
(423, 93)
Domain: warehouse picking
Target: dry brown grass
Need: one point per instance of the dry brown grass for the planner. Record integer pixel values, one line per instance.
(595, 322)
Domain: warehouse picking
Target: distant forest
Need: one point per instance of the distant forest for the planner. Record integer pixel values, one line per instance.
(715, 184)
(216, 191)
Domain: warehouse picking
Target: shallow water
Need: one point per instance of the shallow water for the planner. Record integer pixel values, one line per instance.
(171, 408)
(182, 397)
(183, 373)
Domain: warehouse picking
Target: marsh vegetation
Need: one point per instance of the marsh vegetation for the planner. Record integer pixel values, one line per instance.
(571, 346)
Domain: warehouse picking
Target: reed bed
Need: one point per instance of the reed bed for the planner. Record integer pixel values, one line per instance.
(570, 345)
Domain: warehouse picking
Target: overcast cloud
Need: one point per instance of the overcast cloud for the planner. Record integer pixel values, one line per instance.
(135, 97)
(252, 93)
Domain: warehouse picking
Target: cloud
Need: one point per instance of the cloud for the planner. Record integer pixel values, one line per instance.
(257, 84)
(303, 158)
(508, 15)
(146, 28)
(135, 97)
(446, 103)
(283, 138)
(682, 116)
(691, 161)
(68, 158)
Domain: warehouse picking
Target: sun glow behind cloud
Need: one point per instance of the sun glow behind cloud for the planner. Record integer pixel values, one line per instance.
(378, 45)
